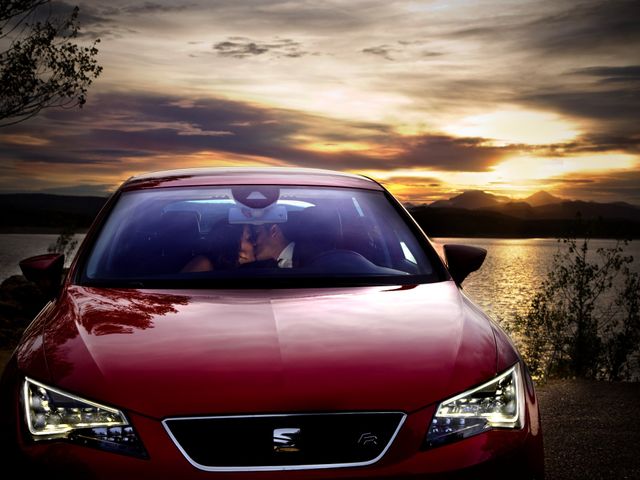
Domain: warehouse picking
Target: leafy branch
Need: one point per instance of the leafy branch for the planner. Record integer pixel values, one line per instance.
(43, 66)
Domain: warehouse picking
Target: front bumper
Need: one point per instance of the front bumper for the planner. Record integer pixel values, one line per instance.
(493, 454)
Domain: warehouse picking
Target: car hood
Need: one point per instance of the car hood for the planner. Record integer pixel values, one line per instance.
(165, 353)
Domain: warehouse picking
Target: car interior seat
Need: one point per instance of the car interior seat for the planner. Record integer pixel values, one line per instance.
(178, 239)
(317, 230)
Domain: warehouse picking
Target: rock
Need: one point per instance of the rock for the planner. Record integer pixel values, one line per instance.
(20, 302)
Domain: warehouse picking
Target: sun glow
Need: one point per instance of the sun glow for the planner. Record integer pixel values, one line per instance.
(335, 147)
(527, 168)
(516, 177)
(512, 126)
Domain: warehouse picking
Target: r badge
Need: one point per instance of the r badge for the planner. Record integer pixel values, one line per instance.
(285, 440)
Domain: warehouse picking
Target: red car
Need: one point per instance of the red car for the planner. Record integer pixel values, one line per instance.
(264, 324)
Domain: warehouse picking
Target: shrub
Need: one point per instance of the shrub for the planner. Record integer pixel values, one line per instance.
(65, 243)
(584, 321)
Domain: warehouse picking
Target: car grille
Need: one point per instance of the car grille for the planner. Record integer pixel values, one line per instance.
(285, 442)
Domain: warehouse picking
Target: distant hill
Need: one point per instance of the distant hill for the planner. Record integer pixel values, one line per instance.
(539, 205)
(540, 215)
(25, 212)
(541, 198)
(471, 200)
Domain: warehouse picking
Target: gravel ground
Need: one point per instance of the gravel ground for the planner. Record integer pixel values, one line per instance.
(591, 429)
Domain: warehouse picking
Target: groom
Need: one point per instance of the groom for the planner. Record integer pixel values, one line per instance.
(270, 242)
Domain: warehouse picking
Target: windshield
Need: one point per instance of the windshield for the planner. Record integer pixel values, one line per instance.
(256, 235)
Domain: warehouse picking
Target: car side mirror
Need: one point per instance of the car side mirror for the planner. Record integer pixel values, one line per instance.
(463, 259)
(45, 271)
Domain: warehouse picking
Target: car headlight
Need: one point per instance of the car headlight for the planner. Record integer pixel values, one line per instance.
(52, 415)
(495, 404)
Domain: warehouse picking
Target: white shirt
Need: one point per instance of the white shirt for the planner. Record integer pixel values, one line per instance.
(285, 259)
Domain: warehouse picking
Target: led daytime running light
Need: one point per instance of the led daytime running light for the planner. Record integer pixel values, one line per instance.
(498, 403)
(51, 413)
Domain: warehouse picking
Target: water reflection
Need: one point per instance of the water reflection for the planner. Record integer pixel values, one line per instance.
(514, 270)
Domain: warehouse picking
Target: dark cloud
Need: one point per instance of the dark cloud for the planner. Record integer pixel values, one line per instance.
(422, 181)
(115, 131)
(256, 16)
(419, 44)
(451, 153)
(486, 32)
(50, 11)
(619, 105)
(241, 47)
(603, 188)
(100, 21)
(402, 49)
(628, 71)
(607, 96)
(574, 180)
(93, 23)
(300, 16)
(153, 7)
(588, 143)
(34, 155)
(116, 127)
(120, 126)
(98, 12)
(587, 27)
(428, 54)
(602, 142)
(383, 51)
(629, 74)
(240, 50)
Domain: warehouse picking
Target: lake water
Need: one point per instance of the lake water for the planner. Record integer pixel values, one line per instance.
(18, 246)
(515, 268)
(511, 273)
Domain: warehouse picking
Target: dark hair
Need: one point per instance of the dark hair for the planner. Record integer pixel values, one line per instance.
(224, 244)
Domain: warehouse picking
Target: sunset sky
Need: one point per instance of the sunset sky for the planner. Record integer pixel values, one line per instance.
(430, 97)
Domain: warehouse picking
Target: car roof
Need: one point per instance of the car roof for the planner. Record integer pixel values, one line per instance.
(192, 177)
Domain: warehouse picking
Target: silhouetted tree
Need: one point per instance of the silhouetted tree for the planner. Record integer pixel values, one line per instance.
(585, 319)
(65, 243)
(42, 65)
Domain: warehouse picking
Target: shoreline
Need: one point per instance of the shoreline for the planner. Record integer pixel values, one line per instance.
(39, 231)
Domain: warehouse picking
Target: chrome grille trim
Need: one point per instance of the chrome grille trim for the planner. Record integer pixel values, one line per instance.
(270, 468)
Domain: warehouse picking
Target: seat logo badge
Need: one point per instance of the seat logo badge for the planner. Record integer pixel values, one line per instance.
(286, 440)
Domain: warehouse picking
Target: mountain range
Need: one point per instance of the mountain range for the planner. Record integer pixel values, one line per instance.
(541, 205)
(479, 214)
